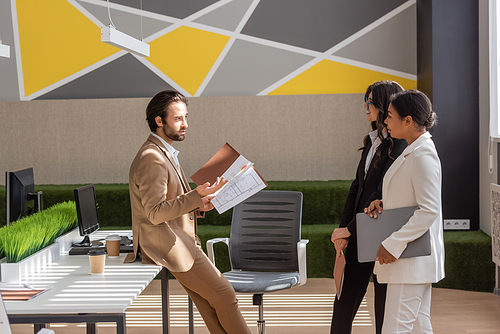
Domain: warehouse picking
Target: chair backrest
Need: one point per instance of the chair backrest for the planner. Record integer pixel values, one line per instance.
(265, 230)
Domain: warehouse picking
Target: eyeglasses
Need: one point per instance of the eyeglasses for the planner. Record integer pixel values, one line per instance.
(368, 103)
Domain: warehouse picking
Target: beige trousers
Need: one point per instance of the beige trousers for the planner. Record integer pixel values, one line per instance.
(213, 296)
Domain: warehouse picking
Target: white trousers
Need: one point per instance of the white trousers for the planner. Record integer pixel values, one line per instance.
(408, 309)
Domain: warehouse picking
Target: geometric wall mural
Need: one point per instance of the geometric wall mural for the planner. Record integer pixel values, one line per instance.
(205, 47)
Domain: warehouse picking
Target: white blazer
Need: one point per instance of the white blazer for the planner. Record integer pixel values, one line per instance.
(414, 179)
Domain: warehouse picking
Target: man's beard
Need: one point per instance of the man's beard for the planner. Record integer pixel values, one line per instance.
(171, 134)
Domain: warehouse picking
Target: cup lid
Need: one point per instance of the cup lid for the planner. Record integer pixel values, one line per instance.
(113, 237)
(94, 252)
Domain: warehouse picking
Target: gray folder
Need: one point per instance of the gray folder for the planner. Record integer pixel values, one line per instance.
(372, 231)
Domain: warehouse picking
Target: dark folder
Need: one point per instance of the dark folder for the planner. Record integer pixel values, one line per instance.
(372, 231)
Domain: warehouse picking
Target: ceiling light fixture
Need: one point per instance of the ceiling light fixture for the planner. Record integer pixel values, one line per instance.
(5, 49)
(123, 41)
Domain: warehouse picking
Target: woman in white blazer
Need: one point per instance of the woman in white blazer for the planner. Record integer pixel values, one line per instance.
(414, 179)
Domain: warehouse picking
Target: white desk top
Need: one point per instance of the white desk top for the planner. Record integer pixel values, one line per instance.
(76, 290)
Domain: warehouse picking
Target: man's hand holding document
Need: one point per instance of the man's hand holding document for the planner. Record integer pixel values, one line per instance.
(243, 179)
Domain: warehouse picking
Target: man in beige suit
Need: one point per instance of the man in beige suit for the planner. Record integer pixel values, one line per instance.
(164, 213)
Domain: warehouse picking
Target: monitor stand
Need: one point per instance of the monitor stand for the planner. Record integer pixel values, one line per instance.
(86, 243)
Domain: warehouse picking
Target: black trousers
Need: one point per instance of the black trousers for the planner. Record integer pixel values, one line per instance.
(356, 278)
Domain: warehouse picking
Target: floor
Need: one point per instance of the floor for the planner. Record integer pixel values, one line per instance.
(306, 309)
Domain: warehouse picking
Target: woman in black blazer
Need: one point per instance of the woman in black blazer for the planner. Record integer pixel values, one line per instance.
(379, 152)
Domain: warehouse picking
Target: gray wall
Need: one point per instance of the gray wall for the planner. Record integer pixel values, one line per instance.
(300, 137)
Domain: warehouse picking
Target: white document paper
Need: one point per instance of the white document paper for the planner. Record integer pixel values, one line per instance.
(244, 186)
(243, 179)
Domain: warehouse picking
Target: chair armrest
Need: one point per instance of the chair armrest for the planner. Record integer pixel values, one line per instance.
(301, 254)
(210, 247)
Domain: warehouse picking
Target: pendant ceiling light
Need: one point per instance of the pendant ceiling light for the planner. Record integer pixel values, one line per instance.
(123, 41)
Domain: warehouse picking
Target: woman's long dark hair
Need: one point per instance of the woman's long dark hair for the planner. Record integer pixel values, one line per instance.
(381, 93)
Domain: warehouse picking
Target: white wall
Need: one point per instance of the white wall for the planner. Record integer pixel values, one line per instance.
(485, 178)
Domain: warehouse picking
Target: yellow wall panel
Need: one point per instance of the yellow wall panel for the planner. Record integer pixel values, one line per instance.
(186, 55)
(56, 41)
(329, 77)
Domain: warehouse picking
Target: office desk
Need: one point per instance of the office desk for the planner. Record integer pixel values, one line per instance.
(78, 296)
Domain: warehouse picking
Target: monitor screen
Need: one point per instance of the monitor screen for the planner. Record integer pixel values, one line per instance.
(86, 210)
(21, 199)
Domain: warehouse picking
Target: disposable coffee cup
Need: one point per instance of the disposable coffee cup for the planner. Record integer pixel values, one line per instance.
(113, 245)
(97, 258)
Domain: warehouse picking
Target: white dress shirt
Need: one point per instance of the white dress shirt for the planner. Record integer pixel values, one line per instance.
(169, 148)
(375, 144)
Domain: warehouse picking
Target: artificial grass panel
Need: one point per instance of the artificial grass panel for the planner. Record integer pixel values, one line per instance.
(320, 250)
(468, 264)
(468, 261)
(323, 201)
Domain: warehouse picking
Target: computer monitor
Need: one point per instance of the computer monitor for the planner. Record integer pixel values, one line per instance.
(21, 199)
(86, 211)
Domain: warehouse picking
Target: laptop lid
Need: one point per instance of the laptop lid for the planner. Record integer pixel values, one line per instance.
(371, 232)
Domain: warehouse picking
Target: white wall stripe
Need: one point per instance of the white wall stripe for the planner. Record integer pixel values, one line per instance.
(17, 48)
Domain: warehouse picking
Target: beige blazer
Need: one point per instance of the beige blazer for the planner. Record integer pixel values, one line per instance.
(164, 209)
(414, 179)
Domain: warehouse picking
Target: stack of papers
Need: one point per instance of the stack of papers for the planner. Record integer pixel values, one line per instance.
(244, 180)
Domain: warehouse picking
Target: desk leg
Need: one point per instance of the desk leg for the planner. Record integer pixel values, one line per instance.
(164, 301)
(38, 327)
(91, 328)
(121, 325)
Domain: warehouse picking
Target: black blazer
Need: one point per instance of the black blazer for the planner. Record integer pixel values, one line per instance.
(365, 190)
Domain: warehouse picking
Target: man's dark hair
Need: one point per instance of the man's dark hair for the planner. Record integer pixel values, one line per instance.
(159, 104)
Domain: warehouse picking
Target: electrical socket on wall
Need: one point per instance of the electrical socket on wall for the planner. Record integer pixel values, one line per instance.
(457, 224)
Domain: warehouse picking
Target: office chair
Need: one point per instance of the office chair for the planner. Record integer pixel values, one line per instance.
(265, 248)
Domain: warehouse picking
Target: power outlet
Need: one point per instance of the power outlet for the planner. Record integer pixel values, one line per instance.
(457, 224)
